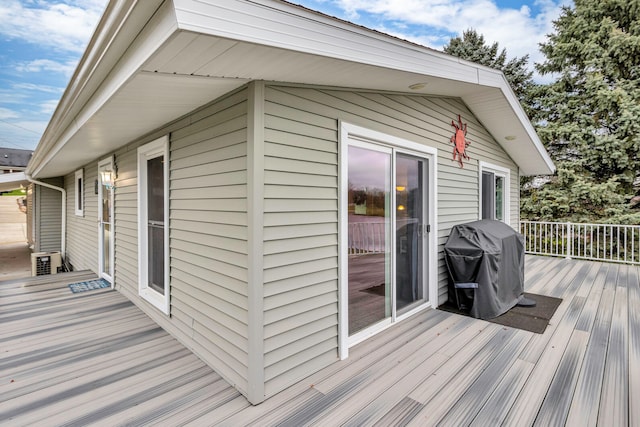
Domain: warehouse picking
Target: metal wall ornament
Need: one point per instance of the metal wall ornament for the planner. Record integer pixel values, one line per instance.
(459, 141)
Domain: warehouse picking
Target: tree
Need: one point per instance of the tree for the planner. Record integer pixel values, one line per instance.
(472, 47)
(588, 118)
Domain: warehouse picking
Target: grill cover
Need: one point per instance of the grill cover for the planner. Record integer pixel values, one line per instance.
(491, 254)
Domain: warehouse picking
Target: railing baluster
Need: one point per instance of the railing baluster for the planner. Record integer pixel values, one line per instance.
(601, 242)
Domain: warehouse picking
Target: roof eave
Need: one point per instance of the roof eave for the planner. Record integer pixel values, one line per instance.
(134, 31)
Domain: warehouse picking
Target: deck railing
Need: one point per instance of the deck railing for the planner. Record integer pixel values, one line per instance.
(366, 238)
(599, 242)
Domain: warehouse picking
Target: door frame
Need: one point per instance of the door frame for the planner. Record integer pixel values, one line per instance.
(107, 163)
(350, 132)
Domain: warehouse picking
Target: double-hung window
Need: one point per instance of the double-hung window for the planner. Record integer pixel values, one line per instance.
(494, 192)
(153, 223)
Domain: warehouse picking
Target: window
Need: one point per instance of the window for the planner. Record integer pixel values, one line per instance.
(494, 192)
(79, 192)
(153, 221)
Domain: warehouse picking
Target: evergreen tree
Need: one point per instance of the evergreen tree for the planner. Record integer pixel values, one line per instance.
(472, 47)
(589, 118)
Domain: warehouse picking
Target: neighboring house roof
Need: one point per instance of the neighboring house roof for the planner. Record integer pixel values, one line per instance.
(152, 62)
(13, 158)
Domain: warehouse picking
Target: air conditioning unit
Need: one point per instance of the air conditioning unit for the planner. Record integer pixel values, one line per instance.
(45, 263)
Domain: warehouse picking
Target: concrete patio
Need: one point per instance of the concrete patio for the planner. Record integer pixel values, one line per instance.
(15, 255)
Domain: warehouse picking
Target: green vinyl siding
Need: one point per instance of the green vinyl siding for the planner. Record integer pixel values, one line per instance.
(82, 231)
(48, 206)
(301, 207)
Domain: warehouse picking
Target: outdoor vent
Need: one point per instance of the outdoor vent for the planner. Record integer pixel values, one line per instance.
(45, 263)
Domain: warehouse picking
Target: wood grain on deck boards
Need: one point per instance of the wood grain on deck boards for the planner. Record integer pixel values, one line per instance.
(473, 399)
(417, 359)
(95, 358)
(614, 401)
(85, 358)
(525, 408)
(539, 342)
(399, 386)
(633, 287)
(503, 395)
(555, 406)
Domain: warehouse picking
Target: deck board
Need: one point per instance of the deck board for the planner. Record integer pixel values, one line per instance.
(633, 287)
(95, 358)
(614, 400)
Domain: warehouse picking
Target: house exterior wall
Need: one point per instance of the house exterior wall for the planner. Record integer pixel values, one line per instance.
(216, 274)
(208, 234)
(82, 232)
(48, 210)
(301, 207)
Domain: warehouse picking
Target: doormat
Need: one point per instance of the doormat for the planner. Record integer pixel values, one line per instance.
(532, 319)
(89, 285)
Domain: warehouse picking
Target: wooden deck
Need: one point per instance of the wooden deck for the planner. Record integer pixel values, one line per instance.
(94, 358)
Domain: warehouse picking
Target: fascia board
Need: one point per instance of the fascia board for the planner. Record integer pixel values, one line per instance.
(282, 25)
(101, 70)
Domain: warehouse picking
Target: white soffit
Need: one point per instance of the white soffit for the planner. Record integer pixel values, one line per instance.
(211, 47)
(147, 102)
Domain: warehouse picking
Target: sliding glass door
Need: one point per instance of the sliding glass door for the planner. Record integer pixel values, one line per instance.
(387, 229)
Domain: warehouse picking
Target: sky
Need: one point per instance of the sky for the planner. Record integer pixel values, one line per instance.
(41, 42)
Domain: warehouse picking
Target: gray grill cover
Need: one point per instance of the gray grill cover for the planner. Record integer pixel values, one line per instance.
(491, 254)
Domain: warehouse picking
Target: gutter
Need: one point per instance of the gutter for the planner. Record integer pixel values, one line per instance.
(63, 240)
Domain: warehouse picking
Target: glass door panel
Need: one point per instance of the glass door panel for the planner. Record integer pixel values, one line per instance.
(410, 231)
(369, 225)
(105, 218)
(499, 198)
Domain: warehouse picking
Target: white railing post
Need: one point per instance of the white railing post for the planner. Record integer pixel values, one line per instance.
(598, 242)
(569, 239)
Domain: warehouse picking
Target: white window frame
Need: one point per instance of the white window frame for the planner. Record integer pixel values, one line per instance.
(79, 207)
(349, 133)
(500, 171)
(156, 148)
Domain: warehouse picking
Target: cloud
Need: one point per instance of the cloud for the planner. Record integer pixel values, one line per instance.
(37, 88)
(39, 65)
(433, 22)
(48, 107)
(64, 26)
(21, 133)
(7, 114)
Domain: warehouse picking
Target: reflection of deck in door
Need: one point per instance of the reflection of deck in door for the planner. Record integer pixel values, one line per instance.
(366, 290)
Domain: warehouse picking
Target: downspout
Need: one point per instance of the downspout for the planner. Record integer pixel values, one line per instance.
(63, 240)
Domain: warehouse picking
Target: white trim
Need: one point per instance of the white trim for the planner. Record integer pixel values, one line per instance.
(347, 134)
(108, 163)
(79, 190)
(156, 148)
(255, 200)
(505, 173)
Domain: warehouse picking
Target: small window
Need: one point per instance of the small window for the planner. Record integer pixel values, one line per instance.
(153, 223)
(79, 192)
(494, 192)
